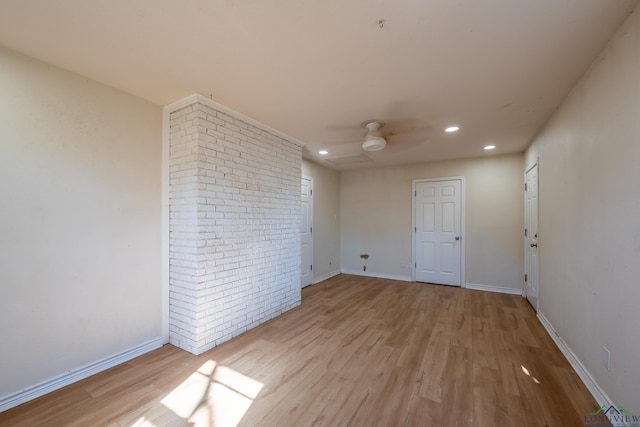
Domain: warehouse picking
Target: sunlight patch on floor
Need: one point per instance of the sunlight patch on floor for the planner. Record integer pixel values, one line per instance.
(526, 371)
(143, 422)
(214, 395)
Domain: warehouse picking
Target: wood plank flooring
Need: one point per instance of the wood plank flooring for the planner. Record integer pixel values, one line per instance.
(357, 352)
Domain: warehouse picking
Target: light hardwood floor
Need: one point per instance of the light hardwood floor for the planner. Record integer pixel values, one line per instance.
(357, 352)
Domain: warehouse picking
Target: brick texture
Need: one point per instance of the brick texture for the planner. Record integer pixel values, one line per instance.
(234, 236)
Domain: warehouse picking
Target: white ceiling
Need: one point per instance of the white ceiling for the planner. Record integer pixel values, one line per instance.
(316, 69)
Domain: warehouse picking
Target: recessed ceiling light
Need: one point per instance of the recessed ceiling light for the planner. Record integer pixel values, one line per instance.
(452, 129)
(489, 147)
(323, 152)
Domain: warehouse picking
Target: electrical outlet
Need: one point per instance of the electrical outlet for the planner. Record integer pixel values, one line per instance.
(606, 358)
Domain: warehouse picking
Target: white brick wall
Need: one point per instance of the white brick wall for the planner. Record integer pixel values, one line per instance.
(234, 226)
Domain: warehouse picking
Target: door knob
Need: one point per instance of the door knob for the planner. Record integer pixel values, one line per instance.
(457, 237)
(534, 245)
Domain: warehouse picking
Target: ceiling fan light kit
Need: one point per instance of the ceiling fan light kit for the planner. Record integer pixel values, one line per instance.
(373, 141)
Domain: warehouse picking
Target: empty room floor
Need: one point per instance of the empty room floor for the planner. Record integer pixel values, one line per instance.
(358, 351)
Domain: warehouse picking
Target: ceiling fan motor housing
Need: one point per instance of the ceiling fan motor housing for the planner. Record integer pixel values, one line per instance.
(373, 141)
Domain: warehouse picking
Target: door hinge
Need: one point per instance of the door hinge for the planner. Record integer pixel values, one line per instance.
(525, 277)
(311, 192)
(311, 230)
(311, 267)
(415, 193)
(525, 186)
(415, 229)
(415, 265)
(525, 232)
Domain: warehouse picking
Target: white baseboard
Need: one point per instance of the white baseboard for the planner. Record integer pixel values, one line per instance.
(325, 276)
(56, 383)
(378, 275)
(490, 288)
(598, 394)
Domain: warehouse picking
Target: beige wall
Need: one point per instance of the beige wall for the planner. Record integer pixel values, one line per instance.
(590, 217)
(326, 219)
(376, 218)
(80, 245)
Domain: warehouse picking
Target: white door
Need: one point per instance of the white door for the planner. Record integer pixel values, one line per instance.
(531, 236)
(438, 231)
(306, 231)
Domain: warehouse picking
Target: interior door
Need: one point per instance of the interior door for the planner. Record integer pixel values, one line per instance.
(531, 236)
(438, 226)
(306, 232)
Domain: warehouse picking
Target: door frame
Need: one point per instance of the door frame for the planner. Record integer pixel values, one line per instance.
(463, 283)
(536, 164)
(310, 179)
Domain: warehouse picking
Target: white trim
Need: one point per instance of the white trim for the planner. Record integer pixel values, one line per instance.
(463, 239)
(378, 275)
(491, 288)
(43, 388)
(192, 99)
(164, 233)
(325, 277)
(596, 391)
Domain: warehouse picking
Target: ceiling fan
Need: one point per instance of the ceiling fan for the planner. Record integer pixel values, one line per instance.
(391, 135)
